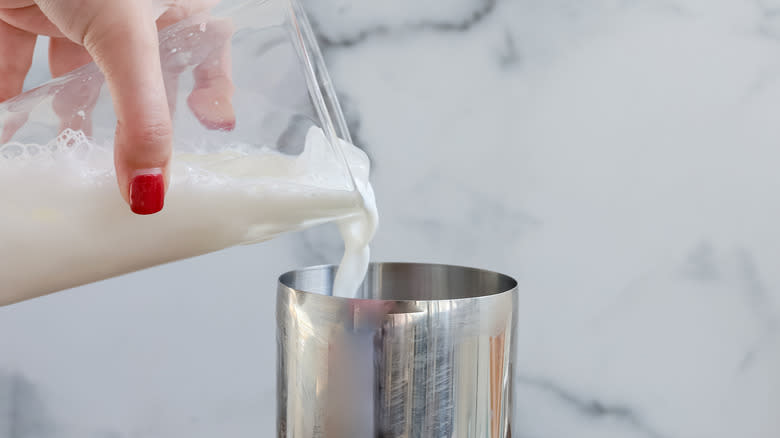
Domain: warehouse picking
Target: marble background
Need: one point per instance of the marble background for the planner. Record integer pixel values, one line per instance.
(620, 157)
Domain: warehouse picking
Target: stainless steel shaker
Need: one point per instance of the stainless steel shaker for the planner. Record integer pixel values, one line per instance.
(423, 351)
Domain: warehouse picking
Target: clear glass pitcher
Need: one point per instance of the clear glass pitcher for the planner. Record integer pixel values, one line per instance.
(271, 155)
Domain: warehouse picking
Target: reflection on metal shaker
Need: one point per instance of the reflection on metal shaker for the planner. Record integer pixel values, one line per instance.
(423, 351)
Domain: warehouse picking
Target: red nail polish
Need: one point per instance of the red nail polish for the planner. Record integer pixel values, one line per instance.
(147, 194)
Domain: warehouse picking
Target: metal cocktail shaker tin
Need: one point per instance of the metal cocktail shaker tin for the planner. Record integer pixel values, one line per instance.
(423, 351)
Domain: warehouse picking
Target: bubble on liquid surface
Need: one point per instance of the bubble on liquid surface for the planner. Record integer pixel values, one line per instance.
(70, 138)
(12, 150)
(70, 143)
(204, 163)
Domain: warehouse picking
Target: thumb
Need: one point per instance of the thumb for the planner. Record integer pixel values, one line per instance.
(121, 37)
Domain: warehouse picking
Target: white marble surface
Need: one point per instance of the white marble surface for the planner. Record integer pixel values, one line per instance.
(620, 157)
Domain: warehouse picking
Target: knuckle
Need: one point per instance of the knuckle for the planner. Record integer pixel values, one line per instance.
(152, 134)
(147, 145)
(75, 18)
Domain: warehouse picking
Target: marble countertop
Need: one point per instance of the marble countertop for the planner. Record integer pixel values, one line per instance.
(619, 157)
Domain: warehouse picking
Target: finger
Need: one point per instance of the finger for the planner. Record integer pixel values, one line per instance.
(173, 63)
(66, 56)
(204, 46)
(127, 52)
(13, 4)
(11, 124)
(16, 54)
(31, 19)
(173, 11)
(74, 103)
(211, 100)
(121, 36)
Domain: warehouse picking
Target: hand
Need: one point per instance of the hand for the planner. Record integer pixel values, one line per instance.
(121, 37)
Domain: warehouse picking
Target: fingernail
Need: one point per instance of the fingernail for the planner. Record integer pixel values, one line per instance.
(147, 192)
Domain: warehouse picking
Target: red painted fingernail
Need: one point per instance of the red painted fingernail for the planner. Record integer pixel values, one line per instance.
(147, 193)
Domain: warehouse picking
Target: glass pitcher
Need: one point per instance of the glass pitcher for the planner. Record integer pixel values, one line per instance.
(274, 155)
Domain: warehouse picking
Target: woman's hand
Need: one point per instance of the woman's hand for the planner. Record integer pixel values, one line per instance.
(121, 37)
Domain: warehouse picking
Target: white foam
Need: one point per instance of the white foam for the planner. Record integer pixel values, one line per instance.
(64, 223)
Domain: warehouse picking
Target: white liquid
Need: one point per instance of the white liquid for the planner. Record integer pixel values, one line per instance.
(64, 223)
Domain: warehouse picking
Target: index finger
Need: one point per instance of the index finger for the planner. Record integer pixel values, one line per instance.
(121, 36)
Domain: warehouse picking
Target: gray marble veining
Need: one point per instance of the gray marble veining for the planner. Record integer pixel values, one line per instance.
(618, 157)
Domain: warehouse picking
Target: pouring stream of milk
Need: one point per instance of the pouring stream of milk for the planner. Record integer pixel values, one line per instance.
(64, 223)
